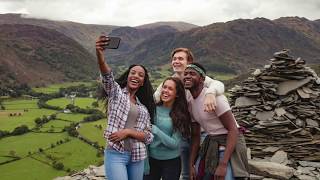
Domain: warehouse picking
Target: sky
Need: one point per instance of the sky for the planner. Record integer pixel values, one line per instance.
(139, 12)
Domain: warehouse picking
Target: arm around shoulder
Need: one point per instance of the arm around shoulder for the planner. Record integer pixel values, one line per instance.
(214, 86)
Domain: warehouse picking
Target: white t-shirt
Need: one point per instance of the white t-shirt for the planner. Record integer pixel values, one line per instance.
(209, 121)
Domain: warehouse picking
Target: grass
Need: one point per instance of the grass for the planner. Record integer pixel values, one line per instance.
(30, 142)
(79, 101)
(8, 123)
(93, 133)
(75, 154)
(55, 87)
(28, 169)
(74, 117)
(4, 159)
(17, 104)
(54, 126)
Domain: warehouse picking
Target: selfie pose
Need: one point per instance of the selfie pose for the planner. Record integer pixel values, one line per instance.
(180, 58)
(130, 112)
(172, 121)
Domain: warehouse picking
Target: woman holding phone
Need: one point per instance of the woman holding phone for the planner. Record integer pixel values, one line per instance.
(130, 113)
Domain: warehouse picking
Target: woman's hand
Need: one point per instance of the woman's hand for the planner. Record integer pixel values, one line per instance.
(221, 171)
(101, 43)
(119, 135)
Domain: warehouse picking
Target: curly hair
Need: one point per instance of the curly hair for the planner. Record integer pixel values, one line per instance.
(179, 113)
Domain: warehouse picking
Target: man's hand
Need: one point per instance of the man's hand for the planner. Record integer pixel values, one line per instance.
(119, 135)
(210, 102)
(193, 175)
(221, 171)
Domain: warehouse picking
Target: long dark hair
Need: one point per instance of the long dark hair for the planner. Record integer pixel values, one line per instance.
(179, 113)
(144, 93)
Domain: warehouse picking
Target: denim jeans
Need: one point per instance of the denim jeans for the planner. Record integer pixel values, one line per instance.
(185, 155)
(118, 166)
(229, 174)
(164, 169)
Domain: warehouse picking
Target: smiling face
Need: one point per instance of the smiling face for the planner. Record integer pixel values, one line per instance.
(168, 93)
(179, 61)
(135, 78)
(192, 78)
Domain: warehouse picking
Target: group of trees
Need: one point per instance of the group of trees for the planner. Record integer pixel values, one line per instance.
(40, 121)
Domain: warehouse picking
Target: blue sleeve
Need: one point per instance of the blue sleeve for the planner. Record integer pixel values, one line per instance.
(171, 142)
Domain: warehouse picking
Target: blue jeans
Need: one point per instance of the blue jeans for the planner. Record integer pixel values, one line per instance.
(118, 166)
(185, 155)
(229, 174)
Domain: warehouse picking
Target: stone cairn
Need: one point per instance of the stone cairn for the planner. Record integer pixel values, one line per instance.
(279, 106)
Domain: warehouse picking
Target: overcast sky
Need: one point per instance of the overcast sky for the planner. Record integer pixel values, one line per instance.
(138, 12)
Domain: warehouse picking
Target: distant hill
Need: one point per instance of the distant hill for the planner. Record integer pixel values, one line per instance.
(84, 34)
(180, 26)
(38, 56)
(234, 46)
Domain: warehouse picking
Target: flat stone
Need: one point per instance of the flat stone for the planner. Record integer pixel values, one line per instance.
(271, 169)
(310, 164)
(288, 86)
(265, 115)
(271, 149)
(280, 111)
(280, 157)
(306, 177)
(245, 101)
(302, 94)
(312, 123)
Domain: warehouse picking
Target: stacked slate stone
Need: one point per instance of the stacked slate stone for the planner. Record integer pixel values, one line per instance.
(280, 107)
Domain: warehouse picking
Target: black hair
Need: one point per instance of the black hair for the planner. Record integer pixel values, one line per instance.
(179, 113)
(144, 93)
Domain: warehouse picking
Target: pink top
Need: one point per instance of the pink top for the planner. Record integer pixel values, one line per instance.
(210, 122)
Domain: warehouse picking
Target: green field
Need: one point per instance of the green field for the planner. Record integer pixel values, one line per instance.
(74, 117)
(54, 126)
(20, 104)
(29, 169)
(75, 154)
(8, 122)
(30, 142)
(55, 87)
(4, 159)
(79, 101)
(92, 132)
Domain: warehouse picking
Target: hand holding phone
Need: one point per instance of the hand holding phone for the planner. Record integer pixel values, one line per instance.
(110, 42)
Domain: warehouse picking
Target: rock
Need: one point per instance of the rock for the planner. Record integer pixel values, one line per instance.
(280, 157)
(271, 169)
(309, 164)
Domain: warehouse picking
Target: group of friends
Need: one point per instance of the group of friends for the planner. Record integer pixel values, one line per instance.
(157, 135)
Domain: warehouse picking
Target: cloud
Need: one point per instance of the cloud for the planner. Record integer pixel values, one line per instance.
(133, 13)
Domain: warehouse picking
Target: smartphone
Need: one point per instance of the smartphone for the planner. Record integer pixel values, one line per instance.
(113, 43)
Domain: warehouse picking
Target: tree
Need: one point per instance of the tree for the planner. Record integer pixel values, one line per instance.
(20, 130)
(58, 166)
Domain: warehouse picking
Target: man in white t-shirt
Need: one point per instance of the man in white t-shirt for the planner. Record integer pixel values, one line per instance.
(223, 152)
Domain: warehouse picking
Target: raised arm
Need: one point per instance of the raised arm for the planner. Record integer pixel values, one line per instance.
(214, 88)
(100, 47)
(157, 93)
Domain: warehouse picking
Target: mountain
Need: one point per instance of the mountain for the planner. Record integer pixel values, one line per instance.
(38, 56)
(180, 26)
(234, 46)
(84, 34)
